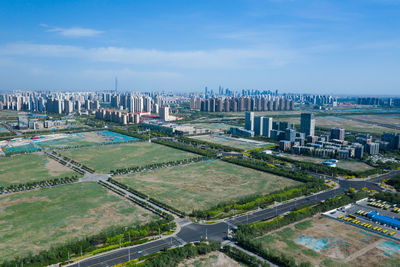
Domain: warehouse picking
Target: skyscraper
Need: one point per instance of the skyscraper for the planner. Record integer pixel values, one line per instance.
(267, 127)
(249, 121)
(307, 124)
(164, 113)
(337, 133)
(258, 125)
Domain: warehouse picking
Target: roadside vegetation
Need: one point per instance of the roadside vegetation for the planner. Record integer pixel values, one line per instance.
(246, 234)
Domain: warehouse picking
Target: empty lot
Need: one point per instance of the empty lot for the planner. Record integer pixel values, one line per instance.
(110, 157)
(29, 168)
(203, 185)
(35, 220)
(326, 242)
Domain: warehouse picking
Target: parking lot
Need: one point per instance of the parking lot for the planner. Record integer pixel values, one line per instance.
(372, 215)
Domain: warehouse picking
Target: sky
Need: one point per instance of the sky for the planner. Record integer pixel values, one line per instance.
(325, 47)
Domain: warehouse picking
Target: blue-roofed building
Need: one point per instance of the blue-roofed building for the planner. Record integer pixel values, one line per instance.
(393, 222)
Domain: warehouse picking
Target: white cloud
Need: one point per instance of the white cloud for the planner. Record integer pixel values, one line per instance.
(73, 32)
(195, 59)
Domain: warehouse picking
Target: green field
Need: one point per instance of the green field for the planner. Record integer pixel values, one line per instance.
(106, 158)
(35, 220)
(30, 167)
(203, 185)
(344, 164)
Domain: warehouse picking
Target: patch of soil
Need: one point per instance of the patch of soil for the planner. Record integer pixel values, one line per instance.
(210, 260)
(55, 168)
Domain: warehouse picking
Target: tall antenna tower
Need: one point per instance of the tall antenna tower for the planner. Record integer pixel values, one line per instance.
(116, 84)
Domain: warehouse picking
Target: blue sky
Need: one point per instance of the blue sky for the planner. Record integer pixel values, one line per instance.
(339, 47)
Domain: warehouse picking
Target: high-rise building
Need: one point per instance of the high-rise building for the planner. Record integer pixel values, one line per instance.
(267, 127)
(337, 133)
(372, 148)
(307, 124)
(68, 106)
(249, 121)
(393, 139)
(290, 134)
(359, 152)
(164, 113)
(258, 125)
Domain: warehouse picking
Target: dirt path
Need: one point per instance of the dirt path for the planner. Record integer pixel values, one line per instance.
(363, 250)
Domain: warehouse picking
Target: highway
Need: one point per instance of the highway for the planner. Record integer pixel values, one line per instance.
(193, 232)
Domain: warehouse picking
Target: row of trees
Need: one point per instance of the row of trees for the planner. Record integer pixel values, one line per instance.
(188, 148)
(246, 235)
(319, 168)
(113, 236)
(389, 197)
(243, 257)
(219, 147)
(145, 196)
(262, 201)
(144, 204)
(293, 174)
(395, 182)
(66, 159)
(38, 184)
(172, 257)
(153, 166)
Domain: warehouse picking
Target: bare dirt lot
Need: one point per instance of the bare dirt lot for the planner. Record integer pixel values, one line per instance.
(212, 259)
(326, 242)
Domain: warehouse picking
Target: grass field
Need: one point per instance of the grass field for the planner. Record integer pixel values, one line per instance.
(35, 220)
(240, 143)
(203, 185)
(106, 158)
(211, 259)
(326, 242)
(344, 164)
(30, 167)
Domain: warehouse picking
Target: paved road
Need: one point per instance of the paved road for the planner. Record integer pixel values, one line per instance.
(126, 254)
(192, 232)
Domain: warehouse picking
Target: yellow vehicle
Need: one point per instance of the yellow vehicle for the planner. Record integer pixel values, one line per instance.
(340, 217)
(379, 229)
(392, 233)
(385, 231)
(376, 227)
(352, 216)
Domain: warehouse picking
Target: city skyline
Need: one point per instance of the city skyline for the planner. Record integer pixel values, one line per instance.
(314, 47)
